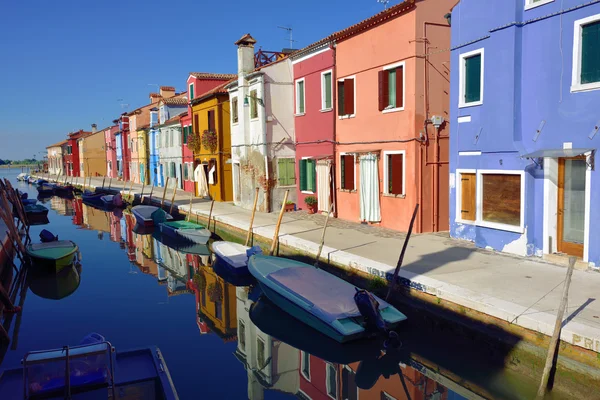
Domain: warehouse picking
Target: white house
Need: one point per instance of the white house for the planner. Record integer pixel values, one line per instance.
(262, 128)
(55, 158)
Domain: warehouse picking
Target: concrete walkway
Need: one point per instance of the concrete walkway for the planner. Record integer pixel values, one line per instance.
(524, 291)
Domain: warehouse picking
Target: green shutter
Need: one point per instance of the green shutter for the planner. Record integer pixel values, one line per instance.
(327, 84)
(282, 172)
(303, 176)
(473, 78)
(311, 176)
(192, 91)
(291, 172)
(590, 53)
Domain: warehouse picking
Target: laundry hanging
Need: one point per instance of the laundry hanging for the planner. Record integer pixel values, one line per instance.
(211, 175)
(200, 178)
(370, 210)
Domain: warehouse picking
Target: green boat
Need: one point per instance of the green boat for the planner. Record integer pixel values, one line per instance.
(53, 255)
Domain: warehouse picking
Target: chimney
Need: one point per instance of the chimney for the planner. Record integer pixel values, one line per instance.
(94, 126)
(154, 98)
(167, 91)
(245, 54)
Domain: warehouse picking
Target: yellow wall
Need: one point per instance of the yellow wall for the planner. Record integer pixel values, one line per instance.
(223, 189)
(94, 155)
(228, 305)
(142, 141)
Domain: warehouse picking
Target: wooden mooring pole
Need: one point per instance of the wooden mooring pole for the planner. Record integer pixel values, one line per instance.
(187, 218)
(276, 235)
(103, 180)
(212, 204)
(252, 217)
(162, 202)
(173, 197)
(323, 235)
(109, 182)
(401, 259)
(553, 347)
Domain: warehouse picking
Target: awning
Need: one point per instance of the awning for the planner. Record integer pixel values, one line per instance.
(557, 153)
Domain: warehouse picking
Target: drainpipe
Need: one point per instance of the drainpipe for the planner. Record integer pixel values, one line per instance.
(333, 46)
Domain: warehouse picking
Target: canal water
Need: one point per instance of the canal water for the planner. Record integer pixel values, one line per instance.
(136, 291)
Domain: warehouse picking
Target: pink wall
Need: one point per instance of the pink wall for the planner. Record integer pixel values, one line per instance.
(316, 388)
(187, 154)
(111, 150)
(314, 124)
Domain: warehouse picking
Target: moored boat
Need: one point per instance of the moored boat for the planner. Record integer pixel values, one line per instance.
(111, 200)
(54, 255)
(181, 245)
(148, 215)
(325, 302)
(63, 190)
(34, 211)
(92, 197)
(29, 202)
(22, 176)
(45, 190)
(91, 370)
(188, 230)
(233, 258)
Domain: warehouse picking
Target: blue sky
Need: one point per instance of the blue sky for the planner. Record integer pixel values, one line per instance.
(65, 64)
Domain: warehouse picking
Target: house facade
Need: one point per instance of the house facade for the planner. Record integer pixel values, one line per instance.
(187, 155)
(55, 158)
(522, 170)
(262, 129)
(169, 111)
(71, 156)
(156, 173)
(111, 150)
(92, 153)
(169, 152)
(314, 123)
(210, 142)
(392, 101)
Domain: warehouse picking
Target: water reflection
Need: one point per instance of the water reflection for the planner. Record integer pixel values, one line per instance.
(54, 286)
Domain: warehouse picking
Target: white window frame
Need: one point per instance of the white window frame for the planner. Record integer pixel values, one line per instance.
(385, 173)
(353, 163)
(302, 352)
(346, 116)
(388, 396)
(323, 108)
(238, 110)
(576, 85)
(392, 66)
(299, 171)
(462, 82)
(529, 4)
(297, 112)
(327, 375)
(479, 199)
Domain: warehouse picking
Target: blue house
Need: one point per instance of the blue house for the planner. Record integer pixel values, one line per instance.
(525, 113)
(153, 161)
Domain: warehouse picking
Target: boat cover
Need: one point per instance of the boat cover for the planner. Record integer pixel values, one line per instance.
(233, 254)
(330, 298)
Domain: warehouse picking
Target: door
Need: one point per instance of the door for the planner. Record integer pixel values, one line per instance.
(571, 205)
(369, 188)
(323, 185)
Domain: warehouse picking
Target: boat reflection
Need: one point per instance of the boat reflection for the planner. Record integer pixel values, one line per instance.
(54, 286)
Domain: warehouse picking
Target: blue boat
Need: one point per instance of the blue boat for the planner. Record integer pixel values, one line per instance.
(231, 261)
(34, 211)
(319, 299)
(91, 370)
(92, 197)
(150, 215)
(45, 190)
(29, 202)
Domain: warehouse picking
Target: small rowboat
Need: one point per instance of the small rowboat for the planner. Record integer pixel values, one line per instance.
(147, 215)
(110, 200)
(325, 302)
(45, 190)
(34, 211)
(61, 190)
(188, 230)
(232, 261)
(92, 197)
(22, 176)
(53, 255)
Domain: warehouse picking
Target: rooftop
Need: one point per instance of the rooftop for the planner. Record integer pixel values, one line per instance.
(209, 75)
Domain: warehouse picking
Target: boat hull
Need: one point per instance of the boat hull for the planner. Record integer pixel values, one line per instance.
(56, 263)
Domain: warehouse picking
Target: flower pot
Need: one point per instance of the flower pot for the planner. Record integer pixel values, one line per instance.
(312, 208)
(290, 207)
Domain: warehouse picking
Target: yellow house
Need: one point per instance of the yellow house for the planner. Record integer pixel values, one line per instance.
(142, 146)
(217, 304)
(92, 154)
(210, 140)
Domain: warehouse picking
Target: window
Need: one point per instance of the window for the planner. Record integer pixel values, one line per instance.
(173, 171)
(349, 387)
(491, 198)
(471, 78)
(391, 88)
(286, 172)
(253, 104)
(191, 91)
(185, 134)
(300, 96)
(586, 54)
(305, 364)
(195, 126)
(393, 172)
(242, 335)
(535, 3)
(308, 176)
(211, 120)
(346, 101)
(326, 91)
(347, 166)
(331, 377)
(234, 110)
(185, 172)
(260, 353)
(219, 310)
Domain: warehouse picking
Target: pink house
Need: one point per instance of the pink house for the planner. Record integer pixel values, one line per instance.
(314, 121)
(392, 86)
(187, 155)
(111, 150)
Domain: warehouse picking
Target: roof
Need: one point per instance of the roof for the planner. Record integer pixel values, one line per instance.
(175, 101)
(167, 88)
(209, 75)
(57, 144)
(213, 92)
(247, 39)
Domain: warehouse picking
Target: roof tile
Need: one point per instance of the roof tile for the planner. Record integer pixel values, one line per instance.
(209, 75)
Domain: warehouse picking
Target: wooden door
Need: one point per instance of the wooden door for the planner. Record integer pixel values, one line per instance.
(571, 205)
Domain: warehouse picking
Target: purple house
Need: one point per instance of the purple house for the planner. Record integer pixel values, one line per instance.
(525, 95)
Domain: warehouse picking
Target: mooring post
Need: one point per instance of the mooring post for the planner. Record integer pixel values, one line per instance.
(276, 235)
(212, 203)
(553, 347)
(103, 180)
(323, 235)
(252, 217)
(399, 264)
(142, 194)
(162, 202)
(109, 182)
(150, 197)
(190, 210)
(173, 197)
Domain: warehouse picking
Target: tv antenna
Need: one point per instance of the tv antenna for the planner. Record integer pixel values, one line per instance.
(384, 2)
(289, 29)
(124, 106)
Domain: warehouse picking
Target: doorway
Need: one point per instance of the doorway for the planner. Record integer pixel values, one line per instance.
(571, 206)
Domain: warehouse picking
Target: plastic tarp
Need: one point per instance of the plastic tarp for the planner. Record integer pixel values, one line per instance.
(330, 298)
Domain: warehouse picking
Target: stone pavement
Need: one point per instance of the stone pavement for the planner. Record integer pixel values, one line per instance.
(524, 291)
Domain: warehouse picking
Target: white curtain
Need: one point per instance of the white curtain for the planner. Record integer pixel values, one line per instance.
(369, 188)
(200, 178)
(323, 184)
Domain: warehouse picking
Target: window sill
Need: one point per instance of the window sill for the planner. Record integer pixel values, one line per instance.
(586, 87)
(254, 119)
(492, 225)
(347, 116)
(235, 123)
(472, 104)
(394, 196)
(306, 192)
(299, 114)
(283, 187)
(537, 4)
(347, 190)
(324, 110)
(392, 110)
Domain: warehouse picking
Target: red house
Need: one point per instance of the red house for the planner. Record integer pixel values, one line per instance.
(72, 155)
(314, 121)
(126, 153)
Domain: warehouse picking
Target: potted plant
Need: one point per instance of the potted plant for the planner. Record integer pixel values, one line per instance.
(311, 203)
(290, 206)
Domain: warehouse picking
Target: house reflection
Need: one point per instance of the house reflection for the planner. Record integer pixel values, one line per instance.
(77, 211)
(95, 219)
(62, 206)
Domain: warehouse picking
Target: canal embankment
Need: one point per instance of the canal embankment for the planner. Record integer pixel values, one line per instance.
(516, 295)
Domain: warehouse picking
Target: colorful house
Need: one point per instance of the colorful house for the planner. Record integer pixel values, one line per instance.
(71, 157)
(142, 153)
(314, 123)
(92, 153)
(392, 100)
(187, 155)
(121, 148)
(525, 127)
(211, 144)
(156, 174)
(170, 153)
(111, 150)
(55, 158)
(262, 128)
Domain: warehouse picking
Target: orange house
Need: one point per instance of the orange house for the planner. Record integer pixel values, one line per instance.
(392, 85)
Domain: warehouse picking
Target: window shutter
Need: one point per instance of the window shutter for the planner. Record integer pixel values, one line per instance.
(303, 173)
(395, 169)
(211, 120)
(341, 96)
(349, 173)
(282, 172)
(467, 196)
(400, 87)
(383, 90)
(473, 79)
(195, 126)
(312, 176)
(590, 53)
(327, 83)
(348, 96)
